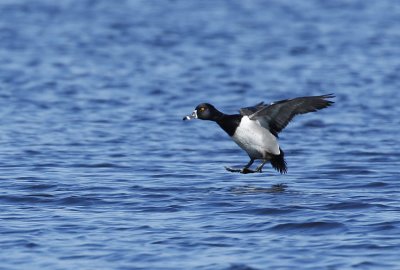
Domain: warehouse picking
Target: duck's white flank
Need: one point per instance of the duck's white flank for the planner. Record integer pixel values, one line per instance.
(255, 140)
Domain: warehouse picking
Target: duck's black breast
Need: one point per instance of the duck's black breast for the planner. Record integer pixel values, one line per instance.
(229, 123)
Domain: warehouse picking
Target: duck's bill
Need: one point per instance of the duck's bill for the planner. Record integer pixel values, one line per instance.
(191, 116)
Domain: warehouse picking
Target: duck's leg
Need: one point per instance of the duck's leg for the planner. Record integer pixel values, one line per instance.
(245, 168)
(259, 168)
(249, 164)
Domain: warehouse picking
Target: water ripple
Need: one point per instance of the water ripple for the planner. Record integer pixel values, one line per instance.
(99, 171)
(317, 227)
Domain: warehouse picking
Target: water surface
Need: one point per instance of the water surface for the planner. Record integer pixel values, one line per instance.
(99, 172)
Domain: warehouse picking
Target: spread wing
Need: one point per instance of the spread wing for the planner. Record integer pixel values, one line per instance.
(253, 109)
(277, 115)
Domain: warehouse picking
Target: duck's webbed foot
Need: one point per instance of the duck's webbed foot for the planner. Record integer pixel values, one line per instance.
(229, 169)
(244, 170)
(247, 170)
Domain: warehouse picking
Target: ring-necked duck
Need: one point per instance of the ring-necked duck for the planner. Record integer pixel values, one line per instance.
(256, 128)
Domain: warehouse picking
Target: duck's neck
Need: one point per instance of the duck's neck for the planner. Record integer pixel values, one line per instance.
(217, 116)
(229, 122)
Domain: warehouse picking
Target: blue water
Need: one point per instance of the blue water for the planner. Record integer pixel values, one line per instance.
(98, 171)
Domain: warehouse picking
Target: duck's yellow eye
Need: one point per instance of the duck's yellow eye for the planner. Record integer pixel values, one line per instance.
(202, 109)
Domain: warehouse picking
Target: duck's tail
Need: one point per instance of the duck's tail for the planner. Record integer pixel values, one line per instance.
(279, 163)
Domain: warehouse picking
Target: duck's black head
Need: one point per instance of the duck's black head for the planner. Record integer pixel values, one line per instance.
(204, 111)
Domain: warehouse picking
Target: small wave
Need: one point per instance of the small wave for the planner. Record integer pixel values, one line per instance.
(371, 265)
(385, 226)
(278, 188)
(21, 243)
(41, 187)
(368, 185)
(219, 205)
(79, 201)
(314, 123)
(309, 227)
(161, 209)
(28, 178)
(31, 245)
(265, 211)
(42, 166)
(367, 246)
(240, 267)
(30, 199)
(375, 185)
(32, 152)
(348, 205)
(98, 165)
(156, 196)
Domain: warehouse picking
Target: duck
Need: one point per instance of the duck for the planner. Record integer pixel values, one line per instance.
(256, 129)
